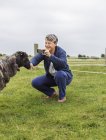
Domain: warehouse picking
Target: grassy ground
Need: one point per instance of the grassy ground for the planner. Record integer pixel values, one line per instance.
(26, 115)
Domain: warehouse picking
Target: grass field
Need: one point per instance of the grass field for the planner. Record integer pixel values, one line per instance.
(26, 115)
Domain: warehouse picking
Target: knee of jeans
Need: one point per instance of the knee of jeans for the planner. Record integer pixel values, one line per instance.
(35, 83)
(59, 75)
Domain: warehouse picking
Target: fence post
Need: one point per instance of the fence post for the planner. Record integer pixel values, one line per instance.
(35, 49)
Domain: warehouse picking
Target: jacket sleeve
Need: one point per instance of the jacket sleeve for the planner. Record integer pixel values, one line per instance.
(37, 59)
(60, 61)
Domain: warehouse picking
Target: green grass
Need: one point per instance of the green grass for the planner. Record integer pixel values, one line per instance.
(26, 115)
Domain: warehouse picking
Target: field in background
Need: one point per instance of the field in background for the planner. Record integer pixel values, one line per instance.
(85, 65)
(86, 61)
(26, 115)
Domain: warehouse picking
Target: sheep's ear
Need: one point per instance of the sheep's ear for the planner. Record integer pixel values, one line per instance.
(19, 53)
(23, 54)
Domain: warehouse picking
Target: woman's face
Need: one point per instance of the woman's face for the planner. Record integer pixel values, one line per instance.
(50, 45)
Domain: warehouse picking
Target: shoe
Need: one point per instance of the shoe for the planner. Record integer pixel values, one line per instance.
(55, 94)
(62, 100)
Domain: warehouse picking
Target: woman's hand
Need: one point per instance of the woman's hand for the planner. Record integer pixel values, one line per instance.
(47, 53)
(31, 66)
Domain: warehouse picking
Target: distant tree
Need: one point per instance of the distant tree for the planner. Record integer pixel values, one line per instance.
(94, 57)
(0, 54)
(87, 57)
(79, 55)
(102, 55)
(82, 56)
(68, 56)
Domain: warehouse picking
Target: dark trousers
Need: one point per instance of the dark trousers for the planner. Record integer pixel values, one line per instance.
(45, 83)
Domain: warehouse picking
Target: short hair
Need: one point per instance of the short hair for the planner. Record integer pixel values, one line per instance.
(52, 37)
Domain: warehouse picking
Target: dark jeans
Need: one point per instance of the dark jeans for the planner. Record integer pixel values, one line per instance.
(45, 83)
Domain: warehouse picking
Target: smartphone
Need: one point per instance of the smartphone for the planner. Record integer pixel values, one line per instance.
(40, 51)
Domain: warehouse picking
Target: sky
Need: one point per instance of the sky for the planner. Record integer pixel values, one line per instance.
(80, 25)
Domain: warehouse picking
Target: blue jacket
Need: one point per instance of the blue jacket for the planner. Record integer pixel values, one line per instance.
(59, 60)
